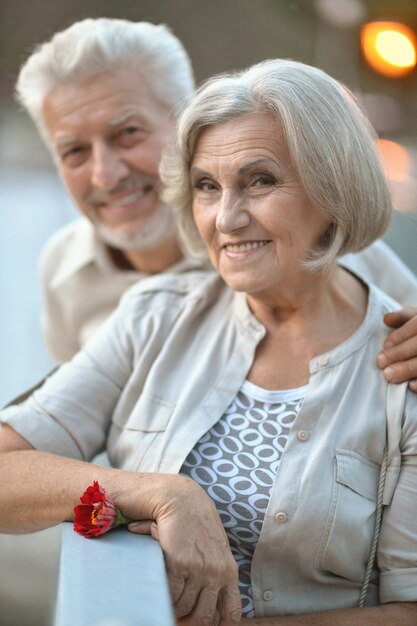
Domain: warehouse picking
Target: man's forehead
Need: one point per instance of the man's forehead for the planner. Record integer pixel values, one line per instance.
(84, 114)
(63, 137)
(110, 95)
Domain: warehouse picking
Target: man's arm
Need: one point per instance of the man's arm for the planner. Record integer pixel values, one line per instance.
(380, 265)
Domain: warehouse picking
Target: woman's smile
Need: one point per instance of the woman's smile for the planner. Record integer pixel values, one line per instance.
(244, 248)
(258, 223)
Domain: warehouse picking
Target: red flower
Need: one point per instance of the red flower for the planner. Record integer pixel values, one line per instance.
(97, 513)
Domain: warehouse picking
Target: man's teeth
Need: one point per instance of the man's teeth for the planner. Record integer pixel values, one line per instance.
(244, 247)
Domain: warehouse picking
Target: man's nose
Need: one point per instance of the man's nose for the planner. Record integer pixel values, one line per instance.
(108, 168)
(233, 212)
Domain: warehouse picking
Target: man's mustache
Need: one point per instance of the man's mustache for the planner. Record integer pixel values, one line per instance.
(98, 196)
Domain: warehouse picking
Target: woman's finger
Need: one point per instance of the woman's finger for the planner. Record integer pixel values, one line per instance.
(144, 527)
(230, 606)
(204, 612)
(176, 585)
(188, 599)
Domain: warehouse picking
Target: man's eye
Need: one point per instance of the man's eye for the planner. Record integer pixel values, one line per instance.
(131, 130)
(74, 155)
(131, 135)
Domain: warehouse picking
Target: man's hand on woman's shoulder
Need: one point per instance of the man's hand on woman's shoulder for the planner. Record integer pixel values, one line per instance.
(399, 356)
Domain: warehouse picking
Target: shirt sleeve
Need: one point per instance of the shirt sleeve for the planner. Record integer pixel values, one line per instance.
(397, 548)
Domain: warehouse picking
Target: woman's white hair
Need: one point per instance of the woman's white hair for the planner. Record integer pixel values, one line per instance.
(331, 143)
(94, 46)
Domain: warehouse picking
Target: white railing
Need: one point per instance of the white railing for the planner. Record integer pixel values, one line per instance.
(118, 579)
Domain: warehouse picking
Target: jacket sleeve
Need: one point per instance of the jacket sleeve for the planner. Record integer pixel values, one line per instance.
(381, 266)
(71, 413)
(397, 547)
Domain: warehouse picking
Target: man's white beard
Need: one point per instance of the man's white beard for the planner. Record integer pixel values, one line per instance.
(160, 227)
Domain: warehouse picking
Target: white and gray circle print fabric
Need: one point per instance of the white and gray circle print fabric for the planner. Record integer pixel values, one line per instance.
(236, 462)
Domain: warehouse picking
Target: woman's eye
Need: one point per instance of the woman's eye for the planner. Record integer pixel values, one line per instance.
(205, 185)
(264, 181)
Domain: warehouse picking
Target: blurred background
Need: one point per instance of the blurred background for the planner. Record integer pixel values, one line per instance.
(219, 35)
(340, 36)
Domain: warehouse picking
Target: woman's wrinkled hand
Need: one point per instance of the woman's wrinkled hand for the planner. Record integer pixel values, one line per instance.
(202, 572)
(399, 356)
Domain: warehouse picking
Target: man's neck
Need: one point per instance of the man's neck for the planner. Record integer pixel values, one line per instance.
(150, 261)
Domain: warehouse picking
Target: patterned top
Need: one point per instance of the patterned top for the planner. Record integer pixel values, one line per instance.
(236, 462)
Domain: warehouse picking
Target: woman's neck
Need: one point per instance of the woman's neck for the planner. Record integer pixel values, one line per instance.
(302, 327)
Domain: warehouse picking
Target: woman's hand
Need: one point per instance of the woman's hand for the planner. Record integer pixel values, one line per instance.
(202, 572)
(399, 356)
(188, 621)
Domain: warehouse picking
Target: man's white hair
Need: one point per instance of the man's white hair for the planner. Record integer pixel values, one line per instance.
(94, 46)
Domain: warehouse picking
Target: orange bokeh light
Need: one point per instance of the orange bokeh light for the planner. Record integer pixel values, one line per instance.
(389, 47)
(396, 160)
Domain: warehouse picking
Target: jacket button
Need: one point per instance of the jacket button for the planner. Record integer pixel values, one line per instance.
(267, 596)
(303, 435)
(281, 517)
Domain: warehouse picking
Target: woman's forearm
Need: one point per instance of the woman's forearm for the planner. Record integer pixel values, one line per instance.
(39, 490)
(404, 613)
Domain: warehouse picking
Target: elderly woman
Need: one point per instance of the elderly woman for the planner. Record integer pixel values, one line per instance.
(256, 382)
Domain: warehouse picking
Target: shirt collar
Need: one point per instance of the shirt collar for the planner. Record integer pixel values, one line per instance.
(83, 248)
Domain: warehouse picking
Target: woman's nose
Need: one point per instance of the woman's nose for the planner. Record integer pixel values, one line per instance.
(233, 213)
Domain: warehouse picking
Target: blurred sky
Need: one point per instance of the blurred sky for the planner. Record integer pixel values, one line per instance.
(219, 35)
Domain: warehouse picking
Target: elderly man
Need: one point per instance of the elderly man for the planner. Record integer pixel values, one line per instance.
(105, 94)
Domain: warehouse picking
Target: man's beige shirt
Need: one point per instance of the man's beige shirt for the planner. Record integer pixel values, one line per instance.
(81, 287)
